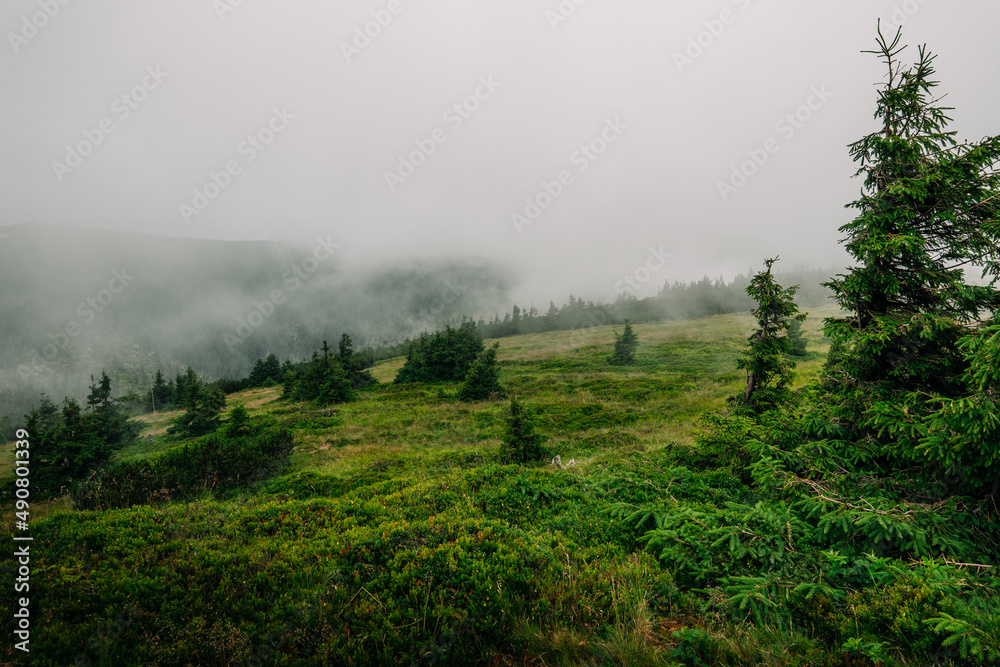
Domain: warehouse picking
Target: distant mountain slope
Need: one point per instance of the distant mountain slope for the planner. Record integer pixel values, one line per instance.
(77, 300)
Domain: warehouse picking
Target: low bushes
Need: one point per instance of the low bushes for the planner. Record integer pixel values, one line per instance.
(217, 462)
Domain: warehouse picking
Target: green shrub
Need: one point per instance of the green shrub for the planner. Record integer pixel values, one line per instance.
(521, 444)
(893, 614)
(218, 463)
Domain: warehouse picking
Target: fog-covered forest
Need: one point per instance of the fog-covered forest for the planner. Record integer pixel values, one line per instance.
(123, 304)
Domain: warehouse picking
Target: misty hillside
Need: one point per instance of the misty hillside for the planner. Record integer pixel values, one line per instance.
(79, 300)
(391, 529)
(398, 492)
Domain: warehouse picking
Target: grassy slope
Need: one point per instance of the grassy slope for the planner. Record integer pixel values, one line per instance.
(684, 369)
(586, 407)
(410, 454)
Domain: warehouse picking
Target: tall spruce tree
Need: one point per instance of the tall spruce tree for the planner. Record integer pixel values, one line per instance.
(162, 393)
(928, 211)
(916, 373)
(769, 371)
(797, 342)
(354, 364)
(100, 392)
(181, 386)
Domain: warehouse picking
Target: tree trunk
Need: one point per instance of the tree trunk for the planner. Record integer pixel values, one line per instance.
(751, 386)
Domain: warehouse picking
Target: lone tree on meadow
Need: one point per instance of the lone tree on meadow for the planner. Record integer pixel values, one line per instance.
(521, 444)
(769, 371)
(625, 346)
(483, 380)
(918, 375)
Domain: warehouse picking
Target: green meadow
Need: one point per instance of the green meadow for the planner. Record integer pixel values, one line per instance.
(394, 537)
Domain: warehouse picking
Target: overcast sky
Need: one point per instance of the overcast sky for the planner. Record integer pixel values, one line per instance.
(304, 119)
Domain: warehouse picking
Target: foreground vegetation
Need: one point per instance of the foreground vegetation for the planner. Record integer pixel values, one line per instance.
(394, 537)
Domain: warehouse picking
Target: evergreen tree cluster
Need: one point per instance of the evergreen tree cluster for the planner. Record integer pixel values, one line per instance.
(454, 355)
(68, 443)
(267, 372)
(329, 377)
(676, 301)
(202, 405)
(176, 394)
(910, 394)
(443, 356)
